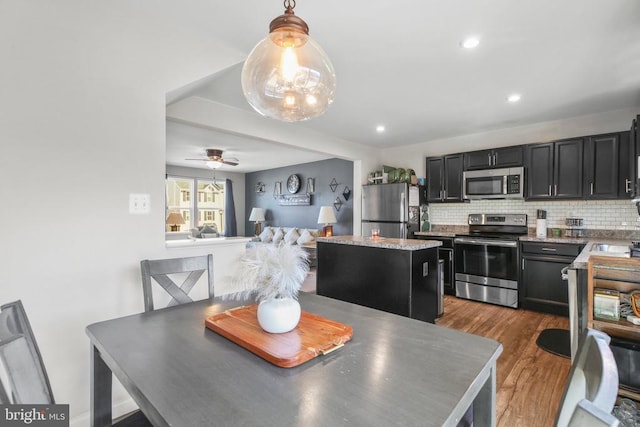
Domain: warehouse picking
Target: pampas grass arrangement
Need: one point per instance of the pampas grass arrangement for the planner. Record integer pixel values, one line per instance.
(270, 271)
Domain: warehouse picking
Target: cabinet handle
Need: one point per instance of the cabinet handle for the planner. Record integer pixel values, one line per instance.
(549, 189)
(495, 159)
(523, 263)
(627, 186)
(555, 190)
(489, 156)
(592, 188)
(549, 249)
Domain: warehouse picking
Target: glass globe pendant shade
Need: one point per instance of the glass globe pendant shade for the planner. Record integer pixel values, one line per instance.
(288, 76)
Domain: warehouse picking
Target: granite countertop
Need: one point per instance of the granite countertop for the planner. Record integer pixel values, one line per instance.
(582, 260)
(382, 242)
(435, 233)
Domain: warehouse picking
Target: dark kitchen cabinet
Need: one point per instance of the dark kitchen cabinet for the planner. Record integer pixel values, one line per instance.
(444, 178)
(539, 171)
(554, 170)
(403, 282)
(634, 158)
(601, 166)
(541, 285)
(626, 160)
(506, 157)
(445, 254)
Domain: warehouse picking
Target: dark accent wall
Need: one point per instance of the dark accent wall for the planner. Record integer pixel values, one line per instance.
(302, 216)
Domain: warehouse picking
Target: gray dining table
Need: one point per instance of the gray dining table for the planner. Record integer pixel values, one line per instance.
(394, 371)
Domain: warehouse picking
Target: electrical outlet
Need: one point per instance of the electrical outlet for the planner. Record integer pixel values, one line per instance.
(139, 204)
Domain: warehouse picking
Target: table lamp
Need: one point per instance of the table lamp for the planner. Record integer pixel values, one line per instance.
(175, 220)
(257, 215)
(327, 217)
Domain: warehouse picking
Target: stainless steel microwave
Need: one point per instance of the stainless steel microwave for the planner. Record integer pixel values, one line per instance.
(506, 183)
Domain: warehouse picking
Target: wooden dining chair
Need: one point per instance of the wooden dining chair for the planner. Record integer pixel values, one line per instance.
(160, 270)
(592, 386)
(23, 377)
(26, 377)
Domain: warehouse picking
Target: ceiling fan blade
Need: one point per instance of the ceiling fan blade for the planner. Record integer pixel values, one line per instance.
(230, 162)
(202, 160)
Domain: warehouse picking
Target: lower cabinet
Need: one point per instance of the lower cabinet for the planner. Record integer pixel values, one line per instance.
(541, 285)
(445, 254)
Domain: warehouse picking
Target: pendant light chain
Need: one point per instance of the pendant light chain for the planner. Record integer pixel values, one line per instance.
(287, 4)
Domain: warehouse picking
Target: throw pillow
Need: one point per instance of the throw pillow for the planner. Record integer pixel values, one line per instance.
(291, 237)
(209, 229)
(277, 236)
(266, 236)
(305, 237)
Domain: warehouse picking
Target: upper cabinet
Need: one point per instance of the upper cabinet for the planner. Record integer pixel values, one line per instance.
(591, 167)
(505, 157)
(601, 160)
(626, 167)
(554, 170)
(444, 178)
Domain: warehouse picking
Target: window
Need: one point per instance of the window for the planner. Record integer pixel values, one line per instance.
(207, 207)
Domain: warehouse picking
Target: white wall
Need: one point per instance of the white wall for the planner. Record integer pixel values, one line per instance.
(82, 125)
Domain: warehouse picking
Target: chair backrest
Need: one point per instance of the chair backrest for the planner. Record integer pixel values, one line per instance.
(23, 377)
(592, 386)
(160, 269)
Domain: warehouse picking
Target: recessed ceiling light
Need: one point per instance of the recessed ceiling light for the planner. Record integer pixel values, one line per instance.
(380, 128)
(470, 42)
(515, 97)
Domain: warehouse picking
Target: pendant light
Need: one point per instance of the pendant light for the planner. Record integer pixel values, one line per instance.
(288, 76)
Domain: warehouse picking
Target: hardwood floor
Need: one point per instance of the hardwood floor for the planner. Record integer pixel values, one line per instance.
(530, 381)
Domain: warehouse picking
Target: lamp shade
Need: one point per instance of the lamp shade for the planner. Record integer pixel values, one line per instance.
(326, 215)
(257, 214)
(175, 218)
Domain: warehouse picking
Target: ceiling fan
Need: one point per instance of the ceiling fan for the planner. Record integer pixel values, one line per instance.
(214, 159)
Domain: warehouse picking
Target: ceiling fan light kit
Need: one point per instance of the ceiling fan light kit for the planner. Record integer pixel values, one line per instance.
(214, 159)
(288, 76)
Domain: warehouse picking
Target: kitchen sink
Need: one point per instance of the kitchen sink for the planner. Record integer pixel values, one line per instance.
(605, 247)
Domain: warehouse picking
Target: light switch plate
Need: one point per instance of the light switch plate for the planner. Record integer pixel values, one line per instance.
(139, 204)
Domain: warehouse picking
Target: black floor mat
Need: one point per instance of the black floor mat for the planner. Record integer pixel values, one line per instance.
(555, 341)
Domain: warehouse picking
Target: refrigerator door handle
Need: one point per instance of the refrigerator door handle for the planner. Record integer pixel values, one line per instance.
(403, 207)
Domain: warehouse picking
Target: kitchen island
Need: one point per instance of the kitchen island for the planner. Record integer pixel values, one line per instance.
(398, 276)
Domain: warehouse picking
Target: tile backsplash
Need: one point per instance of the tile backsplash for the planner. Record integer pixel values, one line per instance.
(597, 214)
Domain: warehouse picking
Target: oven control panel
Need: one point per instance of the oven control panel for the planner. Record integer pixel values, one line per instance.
(498, 219)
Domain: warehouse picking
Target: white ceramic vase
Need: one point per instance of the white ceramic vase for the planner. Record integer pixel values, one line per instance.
(279, 315)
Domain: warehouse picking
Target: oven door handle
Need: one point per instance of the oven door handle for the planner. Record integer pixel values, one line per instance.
(482, 242)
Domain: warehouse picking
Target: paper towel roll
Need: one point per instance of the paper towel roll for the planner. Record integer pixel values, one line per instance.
(541, 228)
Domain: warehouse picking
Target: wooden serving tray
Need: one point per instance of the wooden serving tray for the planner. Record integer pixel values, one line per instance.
(313, 336)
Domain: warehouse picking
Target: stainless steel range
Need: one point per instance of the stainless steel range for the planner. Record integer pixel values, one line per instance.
(487, 258)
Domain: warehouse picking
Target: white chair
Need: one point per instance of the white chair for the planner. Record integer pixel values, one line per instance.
(592, 386)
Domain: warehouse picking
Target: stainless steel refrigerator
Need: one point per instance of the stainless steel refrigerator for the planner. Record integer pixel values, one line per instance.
(394, 209)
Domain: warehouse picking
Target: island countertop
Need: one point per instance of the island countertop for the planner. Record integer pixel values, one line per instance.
(382, 242)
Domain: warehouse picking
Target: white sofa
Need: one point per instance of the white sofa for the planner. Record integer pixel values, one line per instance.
(305, 237)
